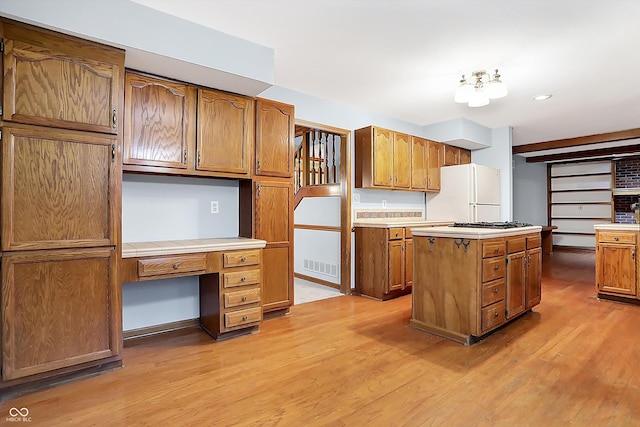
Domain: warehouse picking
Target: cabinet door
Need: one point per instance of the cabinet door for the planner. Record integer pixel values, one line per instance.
(274, 201)
(382, 157)
(533, 277)
(396, 265)
(401, 160)
(465, 156)
(60, 81)
(274, 139)
(435, 154)
(160, 116)
(59, 189)
(225, 123)
(59, 309)
(516, 272)
(451, 155)
(616, 268)
(277, 270)
(408, 263)
(418, 163)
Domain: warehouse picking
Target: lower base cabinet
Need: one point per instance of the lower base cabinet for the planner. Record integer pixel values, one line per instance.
(616, 264)
(60, 309)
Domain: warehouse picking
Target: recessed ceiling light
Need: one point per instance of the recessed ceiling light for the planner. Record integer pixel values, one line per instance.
(542, 97)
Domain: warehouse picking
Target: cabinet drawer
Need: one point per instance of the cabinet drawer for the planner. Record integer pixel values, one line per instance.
(171, 265)
(242, 317)
(407, 233)
(616, 237)
(493, 292)
(240, 278)
(516, 244)
(244, 297)
(396, 233)
(492, 316)
(493, 268)
(240, 258)
(533, 242)
(492, 248)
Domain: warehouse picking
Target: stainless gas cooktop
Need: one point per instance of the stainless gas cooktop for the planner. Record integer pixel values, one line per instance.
(500, 225)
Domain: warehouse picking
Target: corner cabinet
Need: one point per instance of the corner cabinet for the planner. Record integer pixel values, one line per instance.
(616, 264)
(384, 262)
(60, 207)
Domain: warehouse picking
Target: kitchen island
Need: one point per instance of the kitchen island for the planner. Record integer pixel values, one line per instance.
(467, 282)
(616, 264)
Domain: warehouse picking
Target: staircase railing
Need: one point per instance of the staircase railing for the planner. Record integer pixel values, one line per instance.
(317, 159)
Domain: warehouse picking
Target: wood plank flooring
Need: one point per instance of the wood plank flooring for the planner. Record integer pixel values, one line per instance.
(353, 361)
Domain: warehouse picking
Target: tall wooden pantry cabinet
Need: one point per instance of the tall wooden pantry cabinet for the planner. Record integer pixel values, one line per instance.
(271, 192)
(60, 204)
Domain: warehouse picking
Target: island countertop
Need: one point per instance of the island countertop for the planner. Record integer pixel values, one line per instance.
(618, 227)
(473, 233)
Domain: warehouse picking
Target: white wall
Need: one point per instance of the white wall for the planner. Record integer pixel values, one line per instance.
(529, 191)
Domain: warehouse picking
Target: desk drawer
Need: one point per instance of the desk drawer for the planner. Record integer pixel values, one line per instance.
(493, 268)
(240, 258)
(240, 278)
(172, 264)
(242, 317)
(244, 297)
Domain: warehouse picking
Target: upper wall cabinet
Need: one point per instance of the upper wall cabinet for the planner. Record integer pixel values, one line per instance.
(419, 159)
(225, 132)
(83, 80)
(160, 121)
(456, 156)
(435, 161)
(401, 160)
(274, 139)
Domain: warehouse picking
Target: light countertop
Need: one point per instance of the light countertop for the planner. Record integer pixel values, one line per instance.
(473, 233)
(620, 227)
(173, 247)
(389, 223)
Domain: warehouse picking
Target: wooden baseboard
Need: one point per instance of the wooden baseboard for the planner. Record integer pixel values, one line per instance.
(316, 280)
(159, 329)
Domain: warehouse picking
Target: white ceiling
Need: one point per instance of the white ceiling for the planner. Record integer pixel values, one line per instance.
(404, 58)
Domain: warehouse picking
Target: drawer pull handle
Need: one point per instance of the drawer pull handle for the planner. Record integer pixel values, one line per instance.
(243, 259)
(616, 238)
(243, 279)
(176, 266)
(497, 267)
(495, 291)
(495, 314)
(244, 318)
(244, 298)
(496, 249)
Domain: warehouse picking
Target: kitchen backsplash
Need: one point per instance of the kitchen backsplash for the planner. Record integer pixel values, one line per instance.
(363, 214)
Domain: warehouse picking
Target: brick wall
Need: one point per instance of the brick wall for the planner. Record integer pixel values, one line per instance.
(627, 176)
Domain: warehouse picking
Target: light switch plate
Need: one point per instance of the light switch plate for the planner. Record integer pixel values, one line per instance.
(214, 207)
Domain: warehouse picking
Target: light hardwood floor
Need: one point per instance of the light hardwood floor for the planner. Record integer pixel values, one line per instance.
(353, 361)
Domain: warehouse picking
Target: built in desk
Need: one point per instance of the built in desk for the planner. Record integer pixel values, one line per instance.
(230, 276)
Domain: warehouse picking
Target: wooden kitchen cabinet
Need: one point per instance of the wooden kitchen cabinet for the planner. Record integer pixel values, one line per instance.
(160, 125)
(60, 207)
(401, 160)
(225, 132)
(616, 265)
(55, 80)
(465, 157)
(524, 274)
(59, 189)
(59, 309)
(435, 158)
(274, 223)
(419, 163)
(384, 266)
(451, 155)
(274, 139)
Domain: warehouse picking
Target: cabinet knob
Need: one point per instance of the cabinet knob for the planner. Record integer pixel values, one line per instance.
(176, 266)
(495, 291)
(243, 259)
(244, 298)
(497, 267)
(616, 238)
(244, 318)
(496, 314)
(243, 279)
(497, 249)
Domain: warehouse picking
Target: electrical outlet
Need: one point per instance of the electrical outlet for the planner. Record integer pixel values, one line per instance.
(214, 207)
(384, 203)
(356, 198)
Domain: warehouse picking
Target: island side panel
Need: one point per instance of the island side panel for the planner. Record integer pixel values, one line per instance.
(445, 287)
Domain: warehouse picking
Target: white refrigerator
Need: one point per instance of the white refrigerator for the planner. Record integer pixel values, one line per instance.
(468, 193)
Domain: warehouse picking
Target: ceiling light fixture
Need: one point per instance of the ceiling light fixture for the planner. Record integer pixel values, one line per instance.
(542, 97)
(479, 92)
